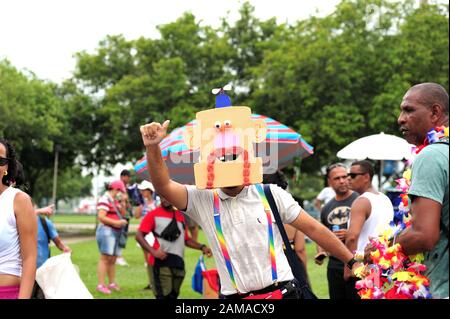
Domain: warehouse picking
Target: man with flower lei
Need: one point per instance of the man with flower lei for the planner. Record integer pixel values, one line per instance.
(419, 232)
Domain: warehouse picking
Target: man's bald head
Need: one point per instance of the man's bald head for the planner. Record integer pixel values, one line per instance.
(430, 94)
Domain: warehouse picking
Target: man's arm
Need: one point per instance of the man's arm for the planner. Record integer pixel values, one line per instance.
(424, 232)
(175, 193)
(322, 236)
(359, 213)
(47, 210)
(60, 245)
(157, 253)
(196, 245)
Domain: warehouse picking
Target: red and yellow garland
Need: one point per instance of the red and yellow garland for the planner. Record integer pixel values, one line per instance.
(392, 274)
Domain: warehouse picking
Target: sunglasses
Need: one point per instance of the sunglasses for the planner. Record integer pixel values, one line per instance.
(353, 175)
(4, 161)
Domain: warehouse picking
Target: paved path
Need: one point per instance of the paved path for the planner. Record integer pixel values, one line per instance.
(75, 233)
(74, 227)
(75, 239)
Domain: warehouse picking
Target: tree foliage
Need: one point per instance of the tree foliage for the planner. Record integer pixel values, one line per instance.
(38, 116)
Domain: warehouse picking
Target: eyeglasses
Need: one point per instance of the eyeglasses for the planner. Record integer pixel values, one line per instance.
(4, 161)
(353, 175)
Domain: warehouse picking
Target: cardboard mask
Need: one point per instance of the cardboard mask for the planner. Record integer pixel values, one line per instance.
(225, 136)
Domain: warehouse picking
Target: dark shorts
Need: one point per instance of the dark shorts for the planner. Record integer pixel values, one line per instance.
(338, 287)
(166, 281)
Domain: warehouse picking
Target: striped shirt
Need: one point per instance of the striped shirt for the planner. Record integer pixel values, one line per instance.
(106, 203)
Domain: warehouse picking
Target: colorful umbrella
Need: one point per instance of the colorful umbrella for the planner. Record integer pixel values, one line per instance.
(281, 146)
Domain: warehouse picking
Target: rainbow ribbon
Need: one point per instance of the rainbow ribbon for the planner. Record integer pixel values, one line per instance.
(221, 238)
(222, 242)
(269, 229)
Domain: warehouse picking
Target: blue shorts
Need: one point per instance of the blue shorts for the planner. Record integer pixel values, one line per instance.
(108, 240)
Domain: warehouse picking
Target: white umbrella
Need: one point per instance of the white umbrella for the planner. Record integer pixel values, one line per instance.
(378, 147)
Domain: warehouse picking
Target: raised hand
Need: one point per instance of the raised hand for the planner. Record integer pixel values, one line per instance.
(47, 210)
(153, 133)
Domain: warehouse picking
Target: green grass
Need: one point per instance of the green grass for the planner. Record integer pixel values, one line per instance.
(317, 274)
(133, 278)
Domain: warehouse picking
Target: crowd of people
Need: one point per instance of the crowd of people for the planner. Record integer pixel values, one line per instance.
(246, 244)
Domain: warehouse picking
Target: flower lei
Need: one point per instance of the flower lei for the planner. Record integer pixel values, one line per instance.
(392, 274)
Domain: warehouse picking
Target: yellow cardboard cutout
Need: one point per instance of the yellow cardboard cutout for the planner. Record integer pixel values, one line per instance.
(225, 137)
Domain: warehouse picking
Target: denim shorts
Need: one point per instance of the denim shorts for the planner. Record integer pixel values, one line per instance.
(108, 240)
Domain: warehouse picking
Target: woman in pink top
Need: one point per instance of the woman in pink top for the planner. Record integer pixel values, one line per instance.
(18, 231)
(111, 221)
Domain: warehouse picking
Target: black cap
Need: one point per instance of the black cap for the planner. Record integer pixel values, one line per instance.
(125, 172)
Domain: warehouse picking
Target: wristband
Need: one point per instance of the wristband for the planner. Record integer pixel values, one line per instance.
(351, 262)
(202, 246)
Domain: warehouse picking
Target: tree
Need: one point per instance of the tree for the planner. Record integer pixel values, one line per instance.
(38, 116)
(150, 80)
(342, 77)
(71, 184)
(333, 79)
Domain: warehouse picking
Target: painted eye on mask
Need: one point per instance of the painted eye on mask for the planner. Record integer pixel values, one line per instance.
(227, 123)
(217, 125)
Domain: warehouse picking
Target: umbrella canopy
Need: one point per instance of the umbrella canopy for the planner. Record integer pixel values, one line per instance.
(281, 146)
(378, 147)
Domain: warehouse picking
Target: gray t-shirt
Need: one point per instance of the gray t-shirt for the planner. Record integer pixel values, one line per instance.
(337, 213)
(429, 179)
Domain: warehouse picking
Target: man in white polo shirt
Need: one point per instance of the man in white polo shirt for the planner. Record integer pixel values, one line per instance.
(247, 265)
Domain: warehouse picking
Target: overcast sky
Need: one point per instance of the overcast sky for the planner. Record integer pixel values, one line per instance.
(43, 35)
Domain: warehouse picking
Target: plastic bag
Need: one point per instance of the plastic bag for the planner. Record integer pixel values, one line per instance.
(59, 279)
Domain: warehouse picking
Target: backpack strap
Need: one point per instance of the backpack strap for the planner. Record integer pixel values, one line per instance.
(444, 228)
(45, 226)
(297, 267)
(116, 209)
(46, 230)
(173, 218)
(444, 141)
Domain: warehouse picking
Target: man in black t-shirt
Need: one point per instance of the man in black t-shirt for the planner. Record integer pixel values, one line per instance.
(335, 215)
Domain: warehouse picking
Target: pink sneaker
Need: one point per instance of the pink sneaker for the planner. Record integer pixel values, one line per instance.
(103, 290)
(114, 286)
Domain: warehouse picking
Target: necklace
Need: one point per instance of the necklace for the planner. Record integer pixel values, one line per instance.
(434, 135)
(392, 274)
